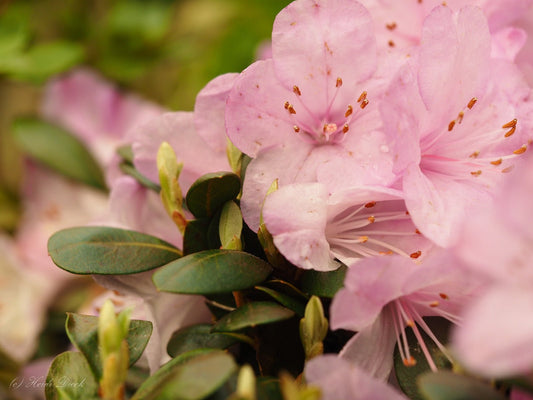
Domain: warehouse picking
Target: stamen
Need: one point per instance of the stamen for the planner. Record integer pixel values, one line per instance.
(296, 128)
(362, 97)
(444, 296)
(434, 304)
(391, 26)
(371, 219)
(349, 111)
(474, 154)
(508, 169)
(460, 117)
(418, 232)
(471, 103)
(339, 82)
(345, 128)
(329, 128)
(364, 103)
(411, 362)
(476, 173)
(451, 125)
(497, 162)
(362, 239)
(391, 43)
(370, 204)
(416, 254)
(511, 124)
(521, 150)
(296, 90)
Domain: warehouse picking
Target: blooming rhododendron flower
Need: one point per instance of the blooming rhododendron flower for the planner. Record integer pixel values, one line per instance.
(309, 111)
(311, 229)
(456, 121)
(496, 244)
(384, 295)
(340, 380)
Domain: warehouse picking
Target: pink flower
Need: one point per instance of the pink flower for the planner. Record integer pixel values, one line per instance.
(496, 244)
(312, 229)
(384, 295)
(96, 111)
(198, 139)
(310, 111)
(340, 380)
(456, 120)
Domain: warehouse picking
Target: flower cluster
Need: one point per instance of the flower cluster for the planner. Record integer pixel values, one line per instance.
(381, 146)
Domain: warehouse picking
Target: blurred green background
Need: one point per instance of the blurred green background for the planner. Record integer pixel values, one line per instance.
(165, 50)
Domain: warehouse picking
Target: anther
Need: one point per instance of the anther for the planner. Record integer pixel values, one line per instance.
(362, 239)
(416, 254)
(512, 125)
(296, 128)
(391, 43)
(443, 296)
(434, 304)
(410, 362)
(296, 90)
(349, 111)
(460, 117)
(451, 125)
(521, 150)
(339, 82)
(474, 154)
(508, 169)
(371, 219)
(476, 173)
(345, 128)
(418, 232)
(291, 109)
(370, 204)
(286, 105)
(391, 26)
(496, 162)
(364, 103)
(471, 103)
(362, 97)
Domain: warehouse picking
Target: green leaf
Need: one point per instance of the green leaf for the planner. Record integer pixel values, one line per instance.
(198, 337)
(82, 331)
(130, 170)
(407, 375)
(295, 305)
(195, 237)
(104, 251)
(13, 37)
(211, 191)
(230, 226)
(323, 284)
(43, 60)
(445, 385)
(70, 377)
(59, 150)
(190, 376)
(252, 314)
(211, 272)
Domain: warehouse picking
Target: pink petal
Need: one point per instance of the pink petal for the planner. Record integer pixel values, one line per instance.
(507, 43)
(255, 113)
(340, 380)
(209, 111)
(178, 130)
(496, 337)
(316, 42)
(453, 58)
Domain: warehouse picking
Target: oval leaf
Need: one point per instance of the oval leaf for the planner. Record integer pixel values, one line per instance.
(59, 150)
(104, 251)
(82, 331)
(295, 305)
(191, 375)
(211, 191)
(252, 314)
(198, 337)
(445, 385)
(323, 284)
(70, 377)
(211, 272)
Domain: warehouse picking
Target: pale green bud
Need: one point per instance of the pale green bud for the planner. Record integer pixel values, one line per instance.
(313, 328)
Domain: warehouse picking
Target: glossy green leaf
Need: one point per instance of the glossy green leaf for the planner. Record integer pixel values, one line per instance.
(198, 337)
(212, 271)
(445, 385)
(323, 284)
(104, 250)
(190, 376)
(70, 377)
(252, 314)
(407, 375)
(82, 331)
(295, 305)
(211, 191)
(195, 237)
(59, 150)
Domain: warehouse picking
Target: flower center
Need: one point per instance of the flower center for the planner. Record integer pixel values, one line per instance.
(325, 129)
